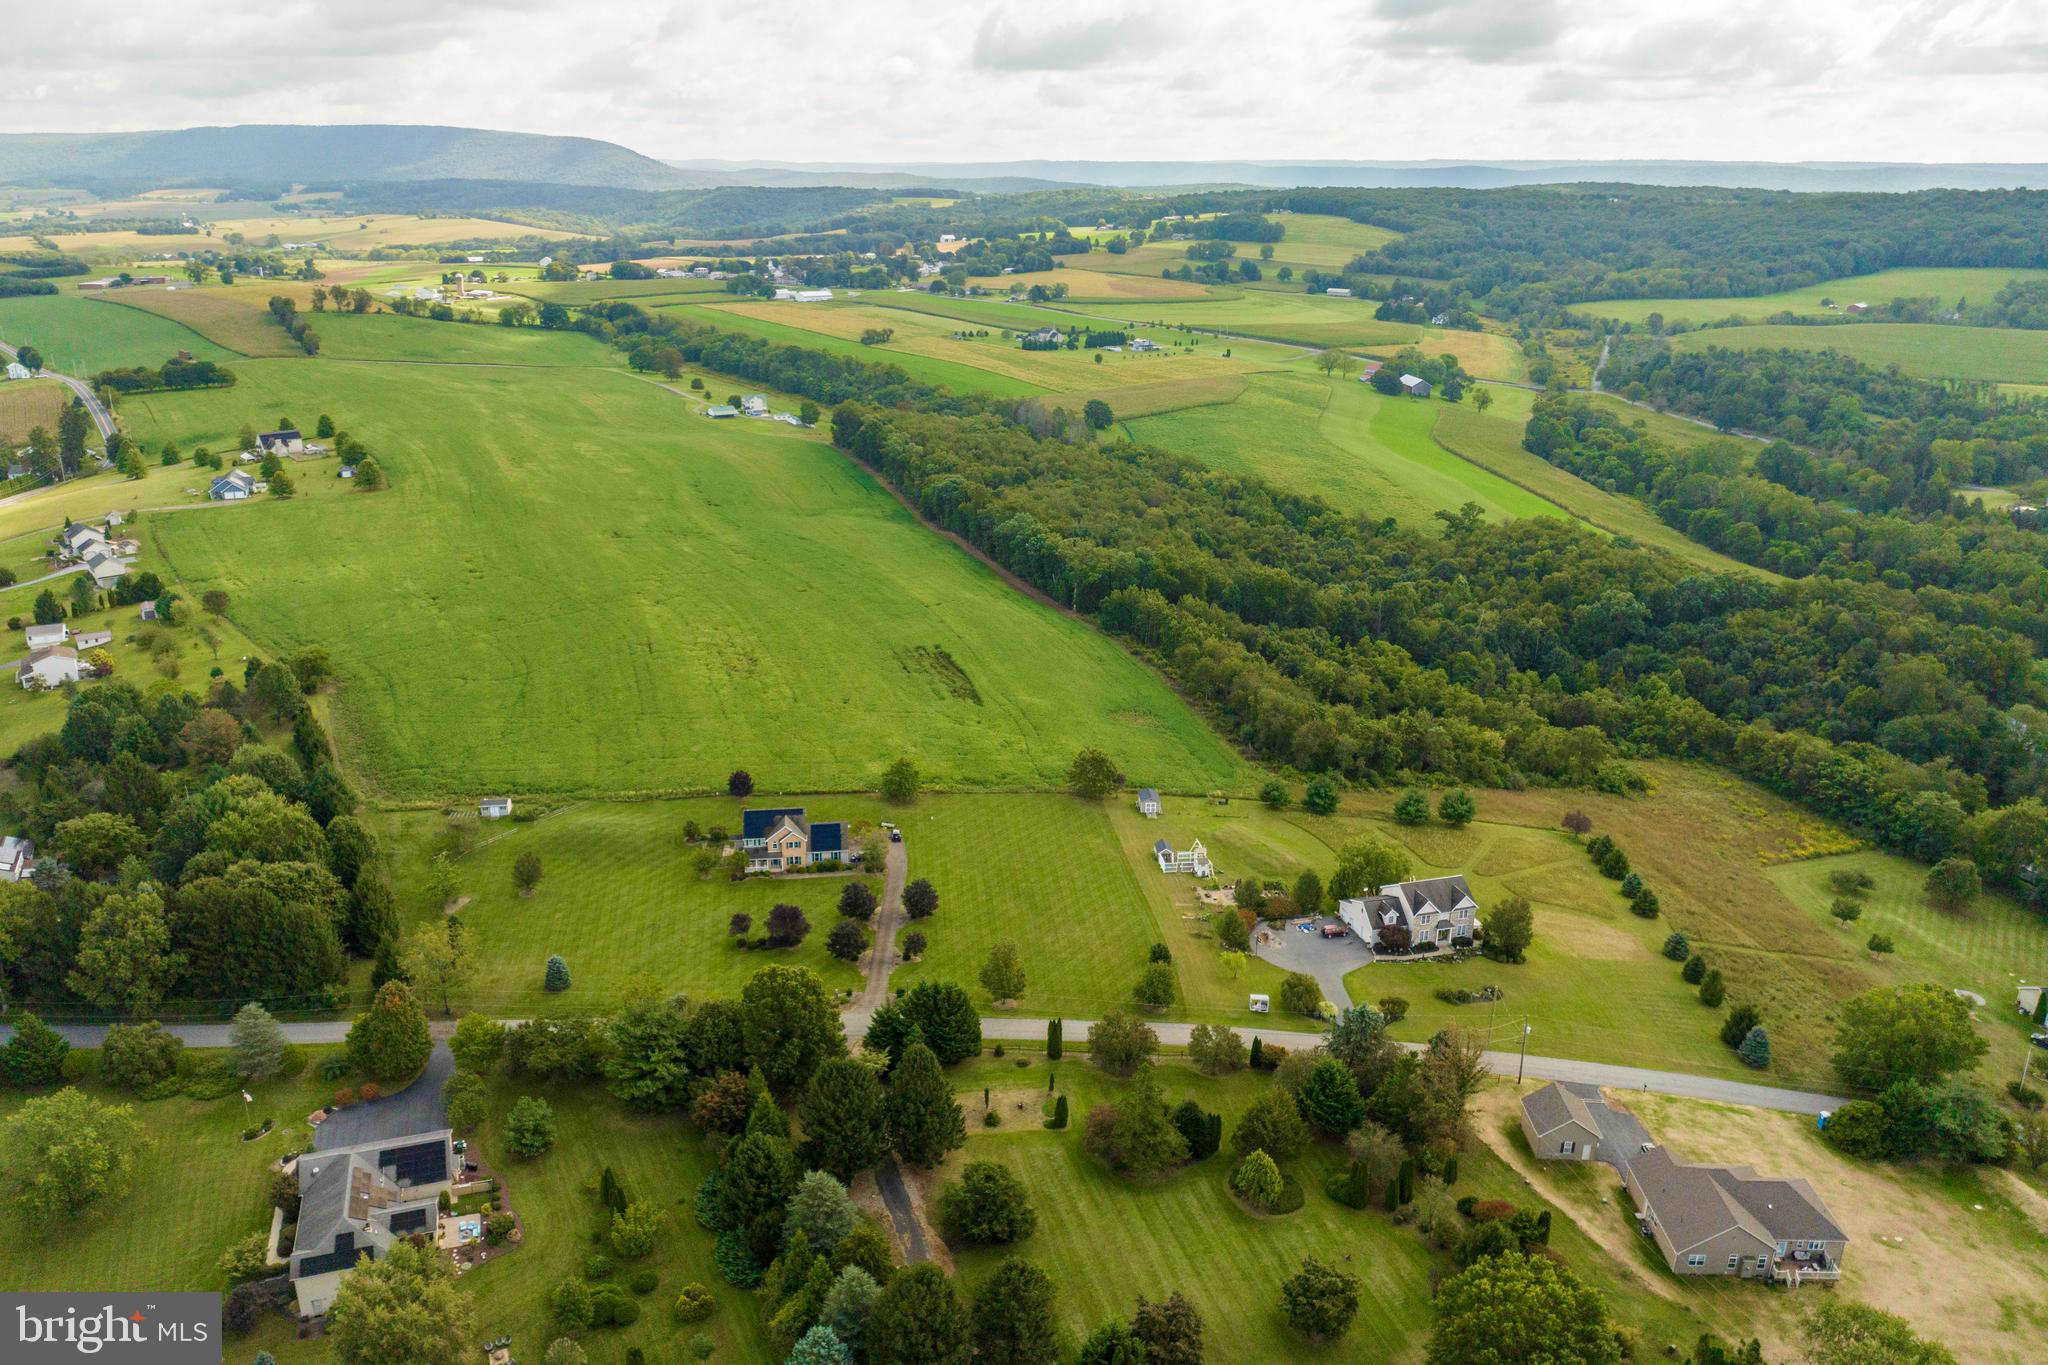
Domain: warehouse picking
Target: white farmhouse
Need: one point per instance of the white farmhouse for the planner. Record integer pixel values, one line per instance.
(45, 668)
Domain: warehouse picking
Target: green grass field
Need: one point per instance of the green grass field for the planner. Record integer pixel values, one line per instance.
(956, 375)
(619, 898)
(1947, 283)
(81, 336)
(1343, 441)
(577, 585)
(198, 1188)
(1929, 350)
(1493, 441)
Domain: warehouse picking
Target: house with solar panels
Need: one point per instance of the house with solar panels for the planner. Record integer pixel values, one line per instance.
(784, 839)
(357, 1201)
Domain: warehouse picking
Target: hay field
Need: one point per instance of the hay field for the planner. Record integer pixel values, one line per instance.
(1947, 283)
(1928, 350)
(1341, 441)
(26, 404)
(1093, 285)
(81, 335)
(577, 585)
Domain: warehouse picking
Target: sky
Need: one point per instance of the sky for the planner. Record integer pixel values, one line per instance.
(983, 80)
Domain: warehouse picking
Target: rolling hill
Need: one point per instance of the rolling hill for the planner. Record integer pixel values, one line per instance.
(343, 152)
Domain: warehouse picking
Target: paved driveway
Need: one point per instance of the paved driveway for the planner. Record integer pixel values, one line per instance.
(415, 1109)
(1622, 1134)
(1325, 959)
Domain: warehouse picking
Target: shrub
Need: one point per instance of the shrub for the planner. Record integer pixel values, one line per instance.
(644, 1281)
(1321, 797)
(1676, 948)
(987, 1204)
(1695, 970)
(1059, 1113)
(571, 1305)
(497, 1227)
(1411, 807)
(557, 976)
(2025, 1096)
(137, 1056)
(1290, 1198)
(1393, 1008)
(1299, 994)
(1613, 864)
(1756, 1048)
(1274, 794)
(597, 1266)
(1848, 882)
(1880, 943)
(1456, 808)
(694, 1303)
(1256, 1180)
(1847, 911)
(1632, 885)
(1646, 904)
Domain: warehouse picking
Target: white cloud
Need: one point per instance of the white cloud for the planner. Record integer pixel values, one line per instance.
(808, 80)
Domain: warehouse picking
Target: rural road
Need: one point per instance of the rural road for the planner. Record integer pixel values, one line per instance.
(101, 418)
(1608, 1074)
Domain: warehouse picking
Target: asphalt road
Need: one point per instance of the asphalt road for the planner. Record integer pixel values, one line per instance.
(1006, 1029)
(101, 418)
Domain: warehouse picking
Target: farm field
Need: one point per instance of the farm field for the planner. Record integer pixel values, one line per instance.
(928, 339)
(1087, 284)
(336, 233)
(1493, 441)
(1947, 283)
(234, 317)
(589, 634)
(1926, 349)
(82, 336)
(958, 375)
(1343, 441)
(26, 404)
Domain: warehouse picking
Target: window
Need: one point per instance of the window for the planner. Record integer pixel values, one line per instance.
(1695, 1261)
(1565, 1148)
(1735, 1262)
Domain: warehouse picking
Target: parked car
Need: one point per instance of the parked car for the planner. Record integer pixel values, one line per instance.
(2041, 1040)
(895, 835)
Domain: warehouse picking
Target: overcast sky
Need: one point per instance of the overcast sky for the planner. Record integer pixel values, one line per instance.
(892, 80)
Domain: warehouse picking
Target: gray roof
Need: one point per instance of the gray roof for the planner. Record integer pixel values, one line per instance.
(1148, 794)
(349, 1197)
(1695, 1204)
(1552, 1107)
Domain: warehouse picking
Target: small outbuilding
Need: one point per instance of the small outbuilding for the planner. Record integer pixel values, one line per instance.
(1560, 1124)
(1262, 1004)
(2028, 999)
(1415, 386)
(494, 807)
(1148, 803)
(44, 637)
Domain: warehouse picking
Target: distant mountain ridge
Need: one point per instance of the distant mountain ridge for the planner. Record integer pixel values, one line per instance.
(301, 153)
(1764, 175)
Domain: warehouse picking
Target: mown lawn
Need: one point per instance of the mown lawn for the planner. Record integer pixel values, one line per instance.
(198, 1189)
(619, 899)
(577, 585)
(1105, 1240)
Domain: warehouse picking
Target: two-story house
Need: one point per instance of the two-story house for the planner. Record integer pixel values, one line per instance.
(782, 839)
(1422, 916)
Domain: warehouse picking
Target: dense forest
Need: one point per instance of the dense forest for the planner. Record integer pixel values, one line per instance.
(1526, 252)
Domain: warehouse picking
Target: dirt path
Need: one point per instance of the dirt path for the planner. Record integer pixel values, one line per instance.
(888, 918)
(902, 1207)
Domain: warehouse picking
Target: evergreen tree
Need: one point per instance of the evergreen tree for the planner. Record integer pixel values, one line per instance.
(1143, 1138)
(556, 978)
(390, 1041)
(821, 1211)
(844, 1118)
(34, 1056)
(1329, 1098)
(924, 1121)
(1756, 1048)
(1013, 1317)
(918, 1320)
(1257, 1180)
(848, 1306)
(255, 1043)
(1055, 1040)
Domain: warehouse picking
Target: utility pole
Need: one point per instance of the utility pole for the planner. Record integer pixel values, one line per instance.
(1525, 1054)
